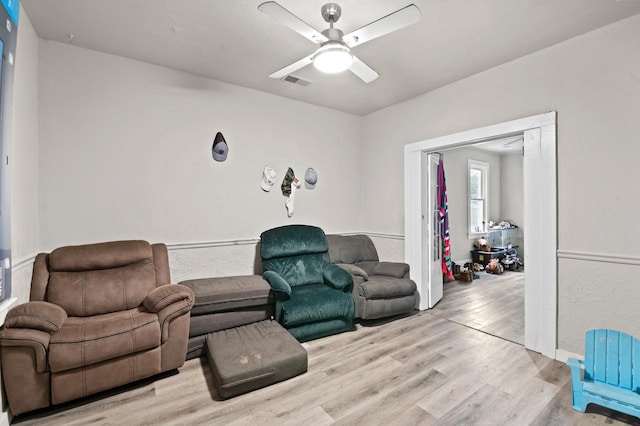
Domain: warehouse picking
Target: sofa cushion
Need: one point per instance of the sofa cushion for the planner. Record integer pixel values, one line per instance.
(299, 270)
(94, 279)
(316, 302)
(90, 257)
(351, 249)
(101, 291)
(379, 287)
(205, 324)
(392, 269)
(228, 293)
(88, 340)
(354, 270)
(246, 358)
(380, 308)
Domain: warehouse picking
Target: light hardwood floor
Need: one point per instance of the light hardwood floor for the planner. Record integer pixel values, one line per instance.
(414, 370)
(493, 304)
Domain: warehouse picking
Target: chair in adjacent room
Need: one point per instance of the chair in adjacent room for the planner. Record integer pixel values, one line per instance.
(312, 295)
(99, 316)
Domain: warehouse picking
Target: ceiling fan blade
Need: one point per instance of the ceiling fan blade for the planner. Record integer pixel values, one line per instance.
(282, 15)
(293, 67)
(362, 70)
(399, 19)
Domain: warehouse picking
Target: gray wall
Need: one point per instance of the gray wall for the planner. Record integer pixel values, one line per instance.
(455, 166)
(593, 82)
(25, 160)
(23, 166)
(506, 196)
(128, 149)
(512, 190)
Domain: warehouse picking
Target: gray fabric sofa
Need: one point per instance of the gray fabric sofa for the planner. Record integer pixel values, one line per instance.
(380, 289)
(225, 302)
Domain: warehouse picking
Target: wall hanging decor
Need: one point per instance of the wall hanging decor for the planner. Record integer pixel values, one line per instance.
(310, 178)
(289, 185)
(220, 149)
(268, 178)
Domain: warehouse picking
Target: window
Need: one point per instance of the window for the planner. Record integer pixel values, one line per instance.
(478, 197)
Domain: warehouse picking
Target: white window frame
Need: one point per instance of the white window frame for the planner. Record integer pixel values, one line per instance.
(485, 169)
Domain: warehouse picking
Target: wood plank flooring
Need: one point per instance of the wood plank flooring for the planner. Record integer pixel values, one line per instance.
(493, 304)
(419, 369)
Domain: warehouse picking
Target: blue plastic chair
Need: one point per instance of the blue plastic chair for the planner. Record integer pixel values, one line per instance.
(611, 372)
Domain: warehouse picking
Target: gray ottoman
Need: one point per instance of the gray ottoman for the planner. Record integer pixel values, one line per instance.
(226, 302)
(253, 356)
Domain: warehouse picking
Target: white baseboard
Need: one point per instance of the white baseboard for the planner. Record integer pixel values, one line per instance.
(563, 356)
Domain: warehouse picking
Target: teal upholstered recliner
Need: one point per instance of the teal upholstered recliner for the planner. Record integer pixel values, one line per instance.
(313, 296)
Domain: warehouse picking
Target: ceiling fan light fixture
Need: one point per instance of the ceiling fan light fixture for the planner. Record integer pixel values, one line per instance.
(333, 57)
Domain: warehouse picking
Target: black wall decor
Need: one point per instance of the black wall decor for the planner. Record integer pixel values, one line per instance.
(220, 149)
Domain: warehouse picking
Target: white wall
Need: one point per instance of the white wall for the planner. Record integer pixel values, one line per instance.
(24, 161)
(23, 164)
(593, 82)
(456, 163)
(512, 190)
(128, 155)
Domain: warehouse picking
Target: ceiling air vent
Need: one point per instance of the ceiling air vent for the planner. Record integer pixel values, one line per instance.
(296, 80)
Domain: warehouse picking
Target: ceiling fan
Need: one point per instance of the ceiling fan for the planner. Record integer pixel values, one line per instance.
(335, 52)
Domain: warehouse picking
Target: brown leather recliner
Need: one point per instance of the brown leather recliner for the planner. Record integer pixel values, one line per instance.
(100, 316)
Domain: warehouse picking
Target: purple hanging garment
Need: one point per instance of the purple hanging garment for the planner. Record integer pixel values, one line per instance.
(447, 267)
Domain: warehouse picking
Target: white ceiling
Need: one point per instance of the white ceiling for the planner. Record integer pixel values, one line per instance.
(230, 40)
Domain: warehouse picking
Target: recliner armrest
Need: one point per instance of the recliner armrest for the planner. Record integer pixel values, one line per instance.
(161, 297)
(277, 283)
(392, 269)
(28, 337)
(179, 306)
(337, 277)
(43, 316)
(354, 270)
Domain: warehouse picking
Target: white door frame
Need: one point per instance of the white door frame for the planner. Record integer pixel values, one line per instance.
(540, 218)
(433, 267)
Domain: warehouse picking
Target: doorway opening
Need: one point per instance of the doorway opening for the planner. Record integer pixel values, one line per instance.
(485, 201)
(540, 219)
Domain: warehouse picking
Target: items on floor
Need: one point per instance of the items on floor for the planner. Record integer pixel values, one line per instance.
(469, 271)
(494, 267)
(495, 259)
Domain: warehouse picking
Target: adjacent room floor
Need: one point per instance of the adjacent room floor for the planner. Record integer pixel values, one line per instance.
(417, 369)
(492, 303)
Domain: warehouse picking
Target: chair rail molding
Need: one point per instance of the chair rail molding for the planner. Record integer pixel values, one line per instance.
(599, 257)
